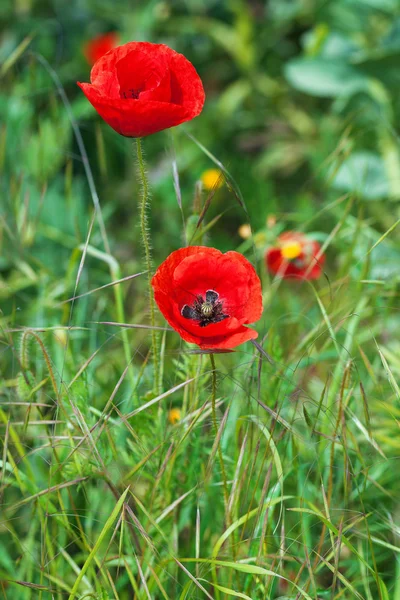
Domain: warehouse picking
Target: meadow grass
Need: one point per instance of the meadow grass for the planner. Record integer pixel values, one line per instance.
(279, 476)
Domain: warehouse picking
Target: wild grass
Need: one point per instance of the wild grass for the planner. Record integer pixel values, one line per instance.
(281, 478)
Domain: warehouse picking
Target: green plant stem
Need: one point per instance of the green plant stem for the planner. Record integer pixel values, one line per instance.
(352, 325)
(143, 203)
(214, 417)
(119, 301)
(115, 273)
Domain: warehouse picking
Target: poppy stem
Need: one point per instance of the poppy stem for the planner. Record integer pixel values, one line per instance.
(214, 417)
(143, 204)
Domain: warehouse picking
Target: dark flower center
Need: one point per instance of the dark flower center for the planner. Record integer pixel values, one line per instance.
(131, 93)
(205, 311)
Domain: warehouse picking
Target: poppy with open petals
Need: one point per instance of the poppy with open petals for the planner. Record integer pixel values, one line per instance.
(141, 88)
(208, 296)
(295, 255)
(96, 47)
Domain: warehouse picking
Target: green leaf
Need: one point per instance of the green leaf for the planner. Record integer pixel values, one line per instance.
(363, 173)
(324, 78)
(243, 519)
(256, 570)
(228, 591)
(45, 150)
(97, 545)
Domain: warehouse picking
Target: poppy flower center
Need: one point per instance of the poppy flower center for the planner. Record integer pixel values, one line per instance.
(291, 250)
(139, 73)
(131, 93)
(205, 310)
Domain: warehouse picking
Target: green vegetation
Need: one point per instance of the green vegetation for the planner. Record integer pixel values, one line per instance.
(103, 494)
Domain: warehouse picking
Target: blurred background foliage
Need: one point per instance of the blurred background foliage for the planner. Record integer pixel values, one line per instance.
(302, 109)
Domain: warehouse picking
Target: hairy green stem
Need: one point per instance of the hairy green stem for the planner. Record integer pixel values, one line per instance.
(143, 203)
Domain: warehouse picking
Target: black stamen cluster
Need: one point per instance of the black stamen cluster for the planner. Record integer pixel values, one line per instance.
(132, 94)
(213, 314)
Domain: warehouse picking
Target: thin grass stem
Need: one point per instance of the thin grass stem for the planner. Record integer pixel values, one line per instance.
(215, 423)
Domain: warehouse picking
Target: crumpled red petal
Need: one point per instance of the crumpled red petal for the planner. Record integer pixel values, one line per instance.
(135, 118)
(242, 335)
(141, 88)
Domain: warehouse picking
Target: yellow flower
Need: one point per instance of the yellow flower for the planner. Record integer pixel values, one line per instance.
(212, 179)
(174, 415)
(245, 231)
(291, 250)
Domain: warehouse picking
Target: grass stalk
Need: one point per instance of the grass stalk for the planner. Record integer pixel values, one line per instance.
(215, 423)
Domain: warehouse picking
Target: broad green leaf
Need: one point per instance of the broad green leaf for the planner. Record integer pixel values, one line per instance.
(363, 173)
(323, 77)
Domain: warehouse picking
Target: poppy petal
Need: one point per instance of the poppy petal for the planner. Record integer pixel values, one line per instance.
(135, 118)
(244, 334)
(95, 48)
(253, 307)
(192, 275)
(226, 276)
(141, 88)
(307, 265)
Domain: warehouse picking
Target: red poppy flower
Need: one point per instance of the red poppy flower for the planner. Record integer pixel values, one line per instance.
(141, 88)
(99, 45)
(208, 296)
(295, 255)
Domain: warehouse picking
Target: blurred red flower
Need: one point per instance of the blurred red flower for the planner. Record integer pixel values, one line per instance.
(141, 88)
(295, 255)
(99, 45)
(208, 296)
